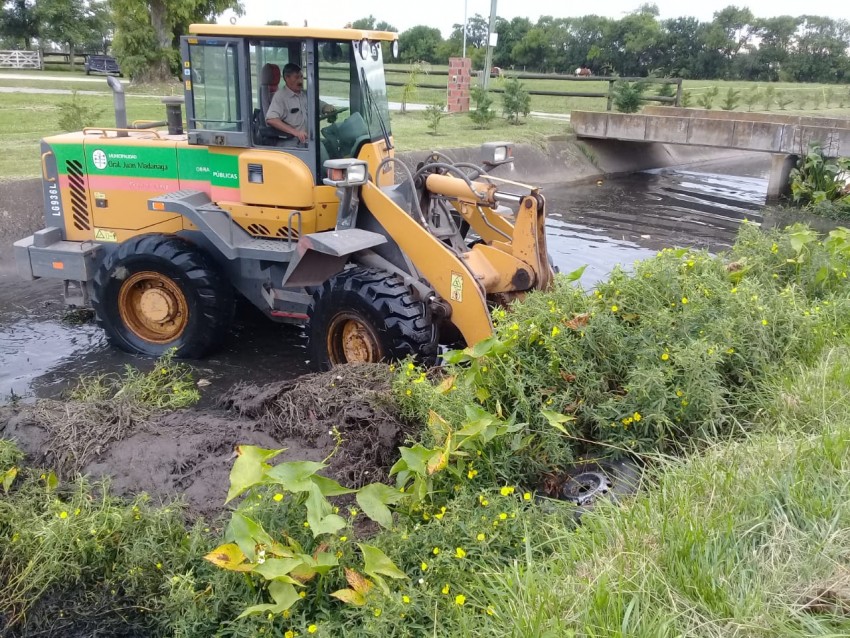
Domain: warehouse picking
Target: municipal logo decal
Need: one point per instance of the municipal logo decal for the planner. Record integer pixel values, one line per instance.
(99, 159)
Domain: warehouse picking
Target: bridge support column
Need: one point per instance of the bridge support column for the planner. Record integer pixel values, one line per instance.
(780, 173)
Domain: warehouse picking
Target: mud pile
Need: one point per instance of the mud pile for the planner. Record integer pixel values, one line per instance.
(346, 414)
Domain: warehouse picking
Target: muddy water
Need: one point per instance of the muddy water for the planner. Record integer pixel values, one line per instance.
(617, 222)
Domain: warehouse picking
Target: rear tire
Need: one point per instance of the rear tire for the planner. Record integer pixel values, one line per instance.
(369, 315)
(157, 292)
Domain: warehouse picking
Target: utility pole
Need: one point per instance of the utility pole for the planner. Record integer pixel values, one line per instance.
(464, 28)
(491, 43)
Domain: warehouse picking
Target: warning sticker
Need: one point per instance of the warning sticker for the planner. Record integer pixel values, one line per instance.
(457, 287)
(104, 235)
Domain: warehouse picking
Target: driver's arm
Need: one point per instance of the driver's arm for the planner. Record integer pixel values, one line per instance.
(280, 125)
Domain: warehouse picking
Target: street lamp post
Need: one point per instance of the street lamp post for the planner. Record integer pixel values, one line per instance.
(491, 43)
(464, 29)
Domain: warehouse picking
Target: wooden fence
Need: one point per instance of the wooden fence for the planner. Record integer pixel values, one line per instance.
(608, 94)
(20, 60)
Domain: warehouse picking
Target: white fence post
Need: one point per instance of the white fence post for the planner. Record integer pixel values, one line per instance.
(20, 60)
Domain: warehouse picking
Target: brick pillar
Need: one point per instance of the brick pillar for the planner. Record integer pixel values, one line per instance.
(458, 92)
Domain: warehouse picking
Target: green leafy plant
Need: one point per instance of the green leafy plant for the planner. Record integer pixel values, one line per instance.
(295, 561)
(752, 97)
(731, 99)
(516, 102)
(434, 113)
(408, 91)
(818, 100)
(803, 100)
(75, 115)
(628, 96)
(829, 97)
(768, 97)
(783, 99)
(817, 179)
(687, 98)
(706, 99)
(483, 114)
(667, 89)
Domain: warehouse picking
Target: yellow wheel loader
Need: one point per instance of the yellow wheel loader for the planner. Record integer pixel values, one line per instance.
(160, 228)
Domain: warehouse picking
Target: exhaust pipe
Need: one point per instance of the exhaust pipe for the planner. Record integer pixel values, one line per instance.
(120, 104)
(174, 114)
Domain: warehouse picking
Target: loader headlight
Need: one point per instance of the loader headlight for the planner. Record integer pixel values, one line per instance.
(495, 153)
(395, 49)
(346, 172)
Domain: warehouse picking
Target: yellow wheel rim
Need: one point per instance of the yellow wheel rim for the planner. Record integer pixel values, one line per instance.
(153, 307)
(352, 340)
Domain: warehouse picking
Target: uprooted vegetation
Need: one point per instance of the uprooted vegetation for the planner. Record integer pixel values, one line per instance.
(737, 363)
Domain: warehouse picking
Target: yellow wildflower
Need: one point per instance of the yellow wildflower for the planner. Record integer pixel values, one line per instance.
(460, 599)
(637, 417)
(312, 629)
(614, 308)
(376, 612)
(63, 515)
(435, 551)
(405, 599)
(480, 537)
(423, 566)
(526, 496)
(665, 356)
(459, 552)
(555, 331)
(446, 589)
(289, 634)
(471, 474)
(506, 490)
(278, 497)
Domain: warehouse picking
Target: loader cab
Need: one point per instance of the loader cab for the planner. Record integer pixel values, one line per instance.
(231, 76)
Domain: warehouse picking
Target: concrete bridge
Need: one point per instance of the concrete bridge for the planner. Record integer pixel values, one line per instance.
(786, 137)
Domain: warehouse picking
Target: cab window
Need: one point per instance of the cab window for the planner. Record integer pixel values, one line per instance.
(215, 87)
(343, 131)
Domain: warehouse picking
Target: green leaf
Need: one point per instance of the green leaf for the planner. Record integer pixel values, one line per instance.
(9, 478)
(482, 393)
(329, 487)
(576, 274)
(319, 513)
(278, 569)
(247, 534)
(249, 468)
(295, 476)
(377, 564)
(415, 457)
(51, 481)
(284, 595)
(556, 419)
(374, 498)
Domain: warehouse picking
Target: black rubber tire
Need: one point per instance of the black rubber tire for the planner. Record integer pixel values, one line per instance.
(402, 323)
(209, 296)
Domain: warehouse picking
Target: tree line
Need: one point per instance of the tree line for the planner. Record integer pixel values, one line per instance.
(735, 45)
(143, 34)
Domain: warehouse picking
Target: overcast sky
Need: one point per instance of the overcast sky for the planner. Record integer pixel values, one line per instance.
(442, 14)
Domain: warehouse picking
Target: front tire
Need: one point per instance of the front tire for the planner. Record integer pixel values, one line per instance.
(157, 292)
(366, 315)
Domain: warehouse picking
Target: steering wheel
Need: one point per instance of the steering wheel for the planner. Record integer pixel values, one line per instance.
(330, 116)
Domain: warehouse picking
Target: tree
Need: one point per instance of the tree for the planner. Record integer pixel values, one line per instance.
(420, 43)
(146, 32)
(369, 24)
(72, 23)
(18, 22)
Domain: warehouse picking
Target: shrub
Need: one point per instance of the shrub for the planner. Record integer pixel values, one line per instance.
(516, 101)
(752, 97)
(817, 179)
(408, 92)
(706, 100)
(667, 90)
(768, 97)
(628, 96)
(731, 100)
(434, 113)
(483, 114)
(76, 115)
(783, 99)
(687, 98)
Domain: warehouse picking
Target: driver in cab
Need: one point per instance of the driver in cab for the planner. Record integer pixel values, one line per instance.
(288, 109)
